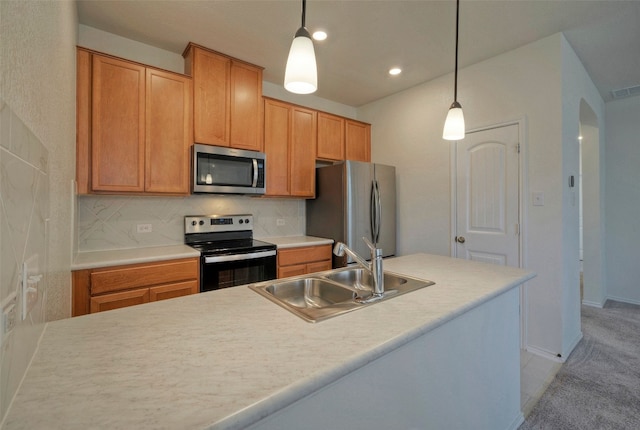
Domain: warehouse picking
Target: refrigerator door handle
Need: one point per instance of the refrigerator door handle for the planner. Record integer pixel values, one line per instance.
(372, 211)
(377, 211)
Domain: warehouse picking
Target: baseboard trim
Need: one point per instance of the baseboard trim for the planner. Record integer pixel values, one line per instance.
(553, 356)
(623, 300)
(571, 346)
(517, 422)
(594, 304)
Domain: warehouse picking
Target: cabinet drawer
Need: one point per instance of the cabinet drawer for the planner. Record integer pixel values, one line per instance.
(319, 266)
(295, 270)
(303, 255)
(142, 275)
(108, 302)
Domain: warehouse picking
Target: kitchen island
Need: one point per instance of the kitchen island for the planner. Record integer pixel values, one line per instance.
(446, 356)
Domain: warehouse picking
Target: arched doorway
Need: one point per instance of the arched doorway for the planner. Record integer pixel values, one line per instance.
(593, 287)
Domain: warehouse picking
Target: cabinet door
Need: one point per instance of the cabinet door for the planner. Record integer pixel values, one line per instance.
(302, 149)
(117, 138)
(108, 302)
(168, 132)
(211, 97)
(246, 107)
(276, 146)
(83, 121)
(330, 137)
(357, 141)
(170, 291)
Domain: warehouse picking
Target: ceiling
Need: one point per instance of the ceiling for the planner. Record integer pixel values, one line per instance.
(368, 37)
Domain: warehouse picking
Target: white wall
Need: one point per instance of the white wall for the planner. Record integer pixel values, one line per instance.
(37, 159)
(522, 84)
(622, 154)
(593, 207)
(578, 88)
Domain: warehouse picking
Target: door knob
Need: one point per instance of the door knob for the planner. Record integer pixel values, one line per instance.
(460, 239)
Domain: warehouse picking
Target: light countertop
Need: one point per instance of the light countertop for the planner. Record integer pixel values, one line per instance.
(116, 257)
(95, 259)
(227, 358)
(296, 241)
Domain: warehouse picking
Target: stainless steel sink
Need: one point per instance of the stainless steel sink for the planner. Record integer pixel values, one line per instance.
(362, 279)
(323, 295)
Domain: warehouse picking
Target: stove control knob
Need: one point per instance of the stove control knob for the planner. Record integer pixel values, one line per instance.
(246, 220)
(201, 222)
(194, 222)
(241, 221)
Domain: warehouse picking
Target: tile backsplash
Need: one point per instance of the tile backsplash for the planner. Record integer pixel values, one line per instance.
(24, 217)
(110, 222)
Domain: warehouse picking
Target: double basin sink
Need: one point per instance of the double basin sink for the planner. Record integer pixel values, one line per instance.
(323, 295)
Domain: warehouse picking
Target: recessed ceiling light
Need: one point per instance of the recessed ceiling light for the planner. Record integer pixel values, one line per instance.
(319, 35)
(395, 71)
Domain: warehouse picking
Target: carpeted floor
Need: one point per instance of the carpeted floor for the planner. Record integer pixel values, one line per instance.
(598, 387)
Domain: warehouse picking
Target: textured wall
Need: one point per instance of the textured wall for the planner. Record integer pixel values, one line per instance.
(37, 158)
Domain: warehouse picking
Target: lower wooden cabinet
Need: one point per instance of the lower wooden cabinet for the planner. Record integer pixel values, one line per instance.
(106, 288)
(303, 260)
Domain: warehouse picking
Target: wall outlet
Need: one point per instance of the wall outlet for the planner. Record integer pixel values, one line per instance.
(144, 228)
(280, 222)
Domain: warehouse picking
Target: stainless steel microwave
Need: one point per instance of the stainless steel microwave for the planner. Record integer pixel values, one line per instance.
(223, 170)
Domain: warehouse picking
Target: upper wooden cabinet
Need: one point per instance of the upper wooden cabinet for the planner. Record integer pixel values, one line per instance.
(289, 142)
(227, 99)
(343, 139)
(133, 127)
(330, 137)
(357, 141)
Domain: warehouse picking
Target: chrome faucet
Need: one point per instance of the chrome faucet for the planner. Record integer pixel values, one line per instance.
(375, 267)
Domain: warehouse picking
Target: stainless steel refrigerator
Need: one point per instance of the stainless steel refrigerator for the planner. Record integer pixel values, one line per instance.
(355, 199)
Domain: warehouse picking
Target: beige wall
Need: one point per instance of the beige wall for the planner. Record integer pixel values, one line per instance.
(525, 84)
(37, 155)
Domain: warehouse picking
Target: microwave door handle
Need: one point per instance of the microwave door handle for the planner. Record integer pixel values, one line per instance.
(255, 173)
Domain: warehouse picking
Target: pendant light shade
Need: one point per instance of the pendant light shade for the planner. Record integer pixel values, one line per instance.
(454, 124)
(301, 74)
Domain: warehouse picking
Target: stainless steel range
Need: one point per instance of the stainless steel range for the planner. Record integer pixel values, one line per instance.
(229, 255)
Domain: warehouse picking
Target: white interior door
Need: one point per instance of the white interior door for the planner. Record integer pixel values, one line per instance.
(487, 196)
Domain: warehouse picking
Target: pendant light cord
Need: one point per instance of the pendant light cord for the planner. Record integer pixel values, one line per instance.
(455, 83)
(304, 12)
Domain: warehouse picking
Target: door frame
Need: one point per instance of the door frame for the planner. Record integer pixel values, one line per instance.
(522, 206)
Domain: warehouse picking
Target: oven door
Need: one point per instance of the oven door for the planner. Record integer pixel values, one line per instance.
(223, 271)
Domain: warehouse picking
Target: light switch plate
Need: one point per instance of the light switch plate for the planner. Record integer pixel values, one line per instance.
(538, 199)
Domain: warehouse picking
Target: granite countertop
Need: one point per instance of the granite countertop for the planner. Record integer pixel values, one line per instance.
(296, 241)
(225, 359)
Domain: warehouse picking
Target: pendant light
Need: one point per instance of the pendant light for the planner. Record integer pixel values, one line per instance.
(454, 124)
(301, 75)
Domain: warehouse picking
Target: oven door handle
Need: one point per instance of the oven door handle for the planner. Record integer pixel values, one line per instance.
(238, 257)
